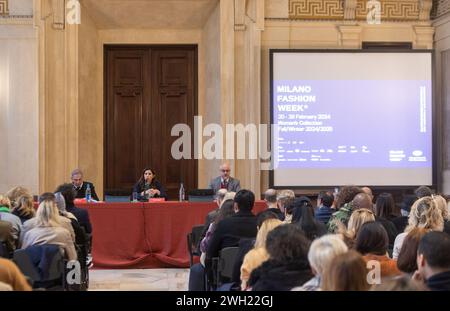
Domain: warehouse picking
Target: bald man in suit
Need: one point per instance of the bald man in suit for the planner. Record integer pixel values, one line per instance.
(225, 181)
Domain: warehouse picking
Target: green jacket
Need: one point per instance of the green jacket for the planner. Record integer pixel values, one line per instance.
(4, 209)
(342, 215)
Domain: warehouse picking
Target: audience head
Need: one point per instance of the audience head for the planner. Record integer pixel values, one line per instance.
(229, 196)
(225, 170)
(267, 226)
(368, 191)
(425, 214)
(77, 177)
(357, 220)
(225, 211)
(284, 198)
(326, 198)
(68, 193)
(441, 203)
(346, 272)
(372, 238)
(362, 200)
(433, 254)
(24, 205)
(244, 200)
(407, 202)
(15, 193)
(400, 284)
(323, 250)
(423, 191)
(270, 196)
(5, 202)
(220, 196)
(287, 243)
(60, 202)
(47, 214)
(385, 205)
(148, 176)
(263, 216)
(47, 196)
(346, 195)
(407, 258)
(303, 216)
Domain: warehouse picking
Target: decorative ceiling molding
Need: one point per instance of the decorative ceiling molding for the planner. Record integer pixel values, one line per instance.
(440, 8)
(4, 10)
(391, 10)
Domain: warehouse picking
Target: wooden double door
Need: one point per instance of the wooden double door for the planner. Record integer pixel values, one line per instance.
(149, 89)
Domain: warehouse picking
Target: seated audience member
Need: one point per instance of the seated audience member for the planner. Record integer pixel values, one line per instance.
(321, 253)
(372, 242)
(47, 230)
(385, 214)
(346, 272)
(405, 207)
(433, 261)
(15, 193)
(197, 271)
(424, 214)
(399, 284)
(7, 238)
(62, 221)
(5, 215)
(303, 217)
(219, 199)
(423, 191)
(230, 230)
(357, 220)
(82, 215)
(270, 197)
(284, 198)
(11, 275)
(80, 186)
(441, 203)
(360, 200)
(148, 186)
(24, 208)
(325, 210)
(287, 266)
(407, 258)
(247, 244)
(255, 257)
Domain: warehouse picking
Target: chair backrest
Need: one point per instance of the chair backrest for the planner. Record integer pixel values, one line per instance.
(116, 198)
(54, 270)
(227, 258)
(196, 234)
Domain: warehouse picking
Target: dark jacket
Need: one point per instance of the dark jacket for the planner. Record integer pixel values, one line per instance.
(82, 216)
(400, 223)
(22, 216)
(390, 229)
(81, 192)
(323, 214)
(273, 275)
(140, 187)
(439, 282)
(447, 227)
(277, 212)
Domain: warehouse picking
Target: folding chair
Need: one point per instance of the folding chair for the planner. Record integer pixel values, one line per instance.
(193, 241)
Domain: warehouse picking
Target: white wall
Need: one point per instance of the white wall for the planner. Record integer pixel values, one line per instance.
(18, 107)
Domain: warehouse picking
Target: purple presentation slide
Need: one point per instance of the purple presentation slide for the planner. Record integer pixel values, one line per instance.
(353, 123)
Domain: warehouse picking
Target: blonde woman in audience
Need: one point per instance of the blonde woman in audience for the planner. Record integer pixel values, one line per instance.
(284, 199)
(15, 193)
(321, 253)
(48, 230)
(255, 257)
(358, 218)
(425, 213)
(442, 205)
(346, 272)
(24, 208)
(5, 215)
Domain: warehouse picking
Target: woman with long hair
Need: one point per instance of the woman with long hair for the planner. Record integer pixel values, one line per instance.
(24, 208)
(148, 186)
(358, 218)
(303, 217)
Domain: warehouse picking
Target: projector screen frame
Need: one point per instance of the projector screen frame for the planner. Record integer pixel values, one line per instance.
(436, 143)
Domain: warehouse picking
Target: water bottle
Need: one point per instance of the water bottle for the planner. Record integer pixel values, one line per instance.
(181, 194)
(88, 193)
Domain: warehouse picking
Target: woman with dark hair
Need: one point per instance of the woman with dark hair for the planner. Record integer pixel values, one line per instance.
(287, 266)
(372, 242)
(303, 217)
(385, 214)
(407, 258)
(148, 186)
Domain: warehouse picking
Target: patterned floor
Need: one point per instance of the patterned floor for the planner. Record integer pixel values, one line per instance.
(139, 280)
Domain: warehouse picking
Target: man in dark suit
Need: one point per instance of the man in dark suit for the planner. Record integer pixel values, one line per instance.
(225, 181)
(82, 215)
(80, 186)
(230, 230)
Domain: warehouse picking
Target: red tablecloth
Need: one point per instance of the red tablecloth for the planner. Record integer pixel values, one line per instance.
(145, 235)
